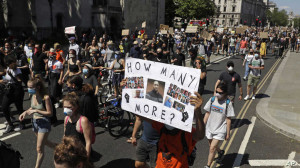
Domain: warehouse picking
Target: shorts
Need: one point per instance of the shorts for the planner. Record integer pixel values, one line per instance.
(41, 125)
(253, 80)
(220, 136)
(146, 150)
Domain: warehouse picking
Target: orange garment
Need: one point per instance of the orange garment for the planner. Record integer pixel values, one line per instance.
(243, 44)
(59, 55)
(174, 147)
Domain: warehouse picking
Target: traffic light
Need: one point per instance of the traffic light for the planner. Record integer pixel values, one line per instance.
(207, 22)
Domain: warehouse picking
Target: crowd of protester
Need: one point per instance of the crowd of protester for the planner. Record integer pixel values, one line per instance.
(68, 76)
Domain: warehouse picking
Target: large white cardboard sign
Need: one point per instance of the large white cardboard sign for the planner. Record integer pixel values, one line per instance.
(70, 30)
(160, 92)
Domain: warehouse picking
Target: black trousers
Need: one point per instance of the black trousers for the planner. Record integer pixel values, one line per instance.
(55, 89)
(16, 96)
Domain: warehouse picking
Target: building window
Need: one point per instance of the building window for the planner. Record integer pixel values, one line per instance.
(233, 8)
(223, 16)
(232, 16)
(99, 2)
(224, 9)
(219, 1)
(225, 1)
(223, 22)
(219, 9)
(234, 1)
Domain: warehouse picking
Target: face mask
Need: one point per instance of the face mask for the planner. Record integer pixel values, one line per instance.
(169, 127)
(36, 50)
(31, 91)
(218, 95)
(256, 55)
(68, 112)
(71, 55)
(6, 48)
(70, 42)
(251, 53)
(230, 69)
(85, 71)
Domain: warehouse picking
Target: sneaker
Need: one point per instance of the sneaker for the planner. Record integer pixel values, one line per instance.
(8, 129)
(12, 119)
(56, 105)
(20, 127)
(253, 97)
(246, 98)
(244, 78)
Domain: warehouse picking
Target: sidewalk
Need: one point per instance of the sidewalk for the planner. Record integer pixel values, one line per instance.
(281, 110)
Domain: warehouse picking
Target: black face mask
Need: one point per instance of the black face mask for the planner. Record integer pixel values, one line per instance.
(70, 89)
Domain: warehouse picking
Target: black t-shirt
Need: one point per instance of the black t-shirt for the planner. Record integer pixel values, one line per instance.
(22, 61)
(203, 81)
(92, 80)
(180, 59)
(231, 79)
(38, 61)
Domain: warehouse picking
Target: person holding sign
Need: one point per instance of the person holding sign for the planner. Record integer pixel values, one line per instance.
(217, 119)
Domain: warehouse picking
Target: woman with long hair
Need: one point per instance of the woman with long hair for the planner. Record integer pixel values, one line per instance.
(41, 109)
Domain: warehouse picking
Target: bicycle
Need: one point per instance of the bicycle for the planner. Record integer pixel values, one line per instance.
(114, 119)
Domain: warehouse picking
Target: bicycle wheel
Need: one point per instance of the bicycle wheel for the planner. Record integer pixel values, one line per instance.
(118, 123)
(105, 93)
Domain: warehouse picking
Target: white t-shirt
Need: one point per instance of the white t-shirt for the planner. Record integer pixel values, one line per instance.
(74, 47)
(14, 73)
(249, 58)
(55, 66)
(216, 123)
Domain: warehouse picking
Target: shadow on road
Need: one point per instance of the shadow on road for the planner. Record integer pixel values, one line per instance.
(234, 123)
(261, 96)
(119, 163)
(214, 70)
(95, 156)
(229, 159)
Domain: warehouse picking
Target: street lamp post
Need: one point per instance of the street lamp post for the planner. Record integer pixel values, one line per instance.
(51, 14)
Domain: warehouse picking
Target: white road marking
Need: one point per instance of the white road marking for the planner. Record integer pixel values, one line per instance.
(243, 146)
(10, 136)
(290, 162)
(2, 126)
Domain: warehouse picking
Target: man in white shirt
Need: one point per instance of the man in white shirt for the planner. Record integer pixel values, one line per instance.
(73, 46)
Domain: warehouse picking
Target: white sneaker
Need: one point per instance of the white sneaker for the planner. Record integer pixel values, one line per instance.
(253, 97)
(246, 98)
(12, 119)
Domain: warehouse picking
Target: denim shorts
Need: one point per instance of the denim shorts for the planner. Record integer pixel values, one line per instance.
(41, 125)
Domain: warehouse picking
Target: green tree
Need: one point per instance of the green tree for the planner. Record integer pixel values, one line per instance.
(195, 9)
(278, 18)
(297, 23)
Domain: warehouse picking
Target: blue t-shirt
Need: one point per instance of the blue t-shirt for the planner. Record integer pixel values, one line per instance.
(150, 135)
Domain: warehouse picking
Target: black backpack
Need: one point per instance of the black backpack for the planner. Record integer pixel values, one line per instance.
(9, 158)
(53, 118)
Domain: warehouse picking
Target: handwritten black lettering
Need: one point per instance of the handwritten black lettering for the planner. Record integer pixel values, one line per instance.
(163, 114)
(192, 80)
(181, 79)
(137, 108)
(173, 74)
(153, 111)
(147, 68)
(139, 66)
(164, 71)
(129, 67)
(145, 108)
(172, 114)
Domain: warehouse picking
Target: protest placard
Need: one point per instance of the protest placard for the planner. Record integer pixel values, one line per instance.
(240, 30)
(163, 27)
(164, 32)
(125, 32)
(191, 29)
(70, 30)
(220, 30)
(160, 92)
(205, 34)
(144, 24)
(263, 35)
(171, 30)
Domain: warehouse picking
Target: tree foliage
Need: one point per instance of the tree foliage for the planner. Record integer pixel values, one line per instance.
(195, 9)
(278, 18)
(297, 23)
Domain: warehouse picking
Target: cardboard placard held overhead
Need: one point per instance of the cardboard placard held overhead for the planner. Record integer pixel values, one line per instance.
(70, 30)
(164, 32)
(171, 30)
(144, 24)
(125, 32)
(163, 27)
(205, 34)
(220, 30)
(160, 92)
(240, 30)
(191, 29)
(263, 35)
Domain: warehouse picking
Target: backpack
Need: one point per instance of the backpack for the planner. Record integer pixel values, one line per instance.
(93, 136)
(214, 98)
(53, 118)
(190, 157)
(9, 158)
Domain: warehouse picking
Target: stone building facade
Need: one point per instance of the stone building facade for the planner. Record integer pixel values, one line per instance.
(111, 16)
(237, 12)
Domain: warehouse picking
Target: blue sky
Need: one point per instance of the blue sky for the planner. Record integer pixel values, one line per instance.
(289, 5)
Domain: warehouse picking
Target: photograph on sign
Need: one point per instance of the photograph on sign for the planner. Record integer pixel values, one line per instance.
(160, 92)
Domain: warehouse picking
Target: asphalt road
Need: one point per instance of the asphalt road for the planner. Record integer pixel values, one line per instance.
(264, 143)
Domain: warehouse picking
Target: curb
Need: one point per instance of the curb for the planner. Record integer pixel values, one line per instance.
(262, 107)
